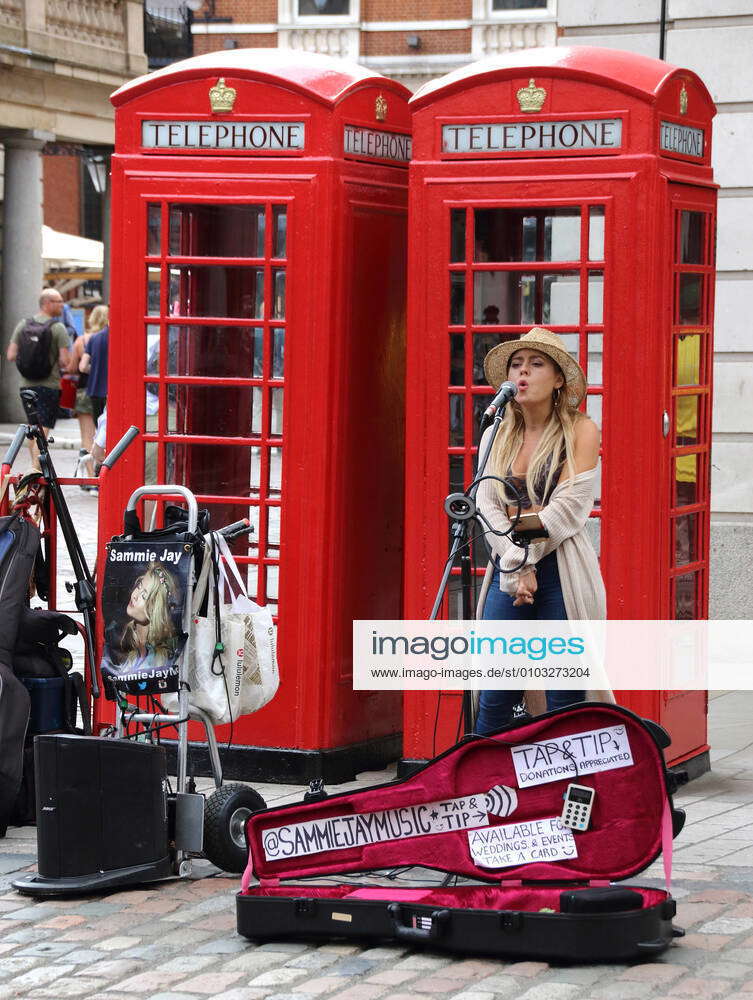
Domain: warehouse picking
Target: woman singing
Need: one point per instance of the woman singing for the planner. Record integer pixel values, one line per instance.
(548, 451)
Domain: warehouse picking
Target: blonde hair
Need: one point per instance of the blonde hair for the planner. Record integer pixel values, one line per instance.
(558, 434)
(99, 317)
(162, 593)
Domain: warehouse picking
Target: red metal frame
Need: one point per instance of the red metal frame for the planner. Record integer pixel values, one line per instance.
(640, 188)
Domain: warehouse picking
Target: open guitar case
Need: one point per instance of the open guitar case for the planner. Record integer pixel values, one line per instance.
(486, 810)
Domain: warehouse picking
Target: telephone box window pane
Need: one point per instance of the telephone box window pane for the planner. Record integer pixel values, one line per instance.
(686, 549)
(216, 230)
(457, 420)
(273, 532)
(685, 596)
(572, 344)
(480, 403)
(252, 580)
(152, 291)
(278, 352)
(278, 302)
(691, 287)
(255, 480)
(457, 359)
(209, 468)
(596, 232)
(208, 290)
(595, 369)
(275, 428)
(216, 411)
(562, 234)
(561, 304)
(151, 407)
(593, 530)
(273, 581)
(214, 351)
(457, 298)
(510, 234)
(280, 242)
(482, 344)
(691, 238)
(596, 297)
(686, 480)
(150, 463)
(688, 360)
(152, 349)
(275, 471)
(593, 408)
(457, 235)
(686, 420)
(256, 412)
(154, 230)
(457, 484)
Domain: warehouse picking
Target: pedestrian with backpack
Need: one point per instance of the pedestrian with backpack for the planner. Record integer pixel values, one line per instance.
(39, 348)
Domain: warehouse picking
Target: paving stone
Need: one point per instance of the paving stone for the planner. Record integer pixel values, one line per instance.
(473, 995)
(691, 987)
(16, 964)
(277, 977)
(83, 956)
(499, 985)
(48, 949)
(117, 943)
(391, 977)
(145, 983)
(689, 913)
(244, 993)
(377, 954)
(719, 896)
(318, 986)
(69, 988)
(319, 960)
(339, 949)
(40, 976)
(183, 964)
(550, 991)
(292, 947)
(581, 975)
(726, 969)
(709, 942)
(211, 982)
(619, 991)
(172, 996)
(361, 991)
(254, 961)
(653, 972)
(25, 935)
(422, 962)
(222, 946)
(114, 968)
(727, 925)
(353, 965)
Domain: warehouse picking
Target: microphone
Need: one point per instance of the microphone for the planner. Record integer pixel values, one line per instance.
(504, 394)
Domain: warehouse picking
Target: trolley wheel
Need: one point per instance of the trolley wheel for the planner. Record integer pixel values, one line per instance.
(225, 817)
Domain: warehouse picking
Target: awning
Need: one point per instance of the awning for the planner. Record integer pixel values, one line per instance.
(62, 251)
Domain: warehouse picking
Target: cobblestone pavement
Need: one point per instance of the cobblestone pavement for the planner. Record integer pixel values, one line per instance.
(177, 940)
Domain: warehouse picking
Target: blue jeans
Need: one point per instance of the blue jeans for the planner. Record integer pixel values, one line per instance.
(497, 708)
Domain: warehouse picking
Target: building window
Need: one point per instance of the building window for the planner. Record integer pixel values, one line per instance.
(323, 8)
(499, 6)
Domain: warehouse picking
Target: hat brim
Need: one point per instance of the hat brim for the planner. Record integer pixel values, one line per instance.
(497, 361)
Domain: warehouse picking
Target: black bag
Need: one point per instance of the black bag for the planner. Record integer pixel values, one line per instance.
(33, 359)
(19, 543)
(14, 717)
(24, 812)
(37, 654)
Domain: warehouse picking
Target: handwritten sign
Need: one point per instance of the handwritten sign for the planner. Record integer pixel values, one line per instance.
(522, 843)
(570, 756)
(339, 833)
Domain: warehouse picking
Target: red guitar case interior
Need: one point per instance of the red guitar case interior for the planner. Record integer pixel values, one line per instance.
(486, 810)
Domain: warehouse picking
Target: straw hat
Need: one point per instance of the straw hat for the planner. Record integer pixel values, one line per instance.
(497, 361)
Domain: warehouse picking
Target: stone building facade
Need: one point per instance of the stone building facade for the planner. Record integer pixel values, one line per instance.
(59, 62)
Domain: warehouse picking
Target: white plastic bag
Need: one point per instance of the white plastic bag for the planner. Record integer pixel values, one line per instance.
(243, 676)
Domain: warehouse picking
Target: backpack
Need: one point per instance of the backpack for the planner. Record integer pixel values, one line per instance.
(33, 358)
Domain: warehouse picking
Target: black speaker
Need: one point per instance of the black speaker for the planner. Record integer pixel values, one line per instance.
(101, 805)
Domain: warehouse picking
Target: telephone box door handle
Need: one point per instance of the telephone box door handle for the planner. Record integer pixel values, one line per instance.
(665, 423)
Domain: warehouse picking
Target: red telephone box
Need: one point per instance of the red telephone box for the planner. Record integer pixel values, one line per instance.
(258, 338)
(569, 188)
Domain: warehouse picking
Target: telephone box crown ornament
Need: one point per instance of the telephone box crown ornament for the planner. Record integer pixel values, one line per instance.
(221, 98)
(683, 100)
(380, 109)
(531, 98)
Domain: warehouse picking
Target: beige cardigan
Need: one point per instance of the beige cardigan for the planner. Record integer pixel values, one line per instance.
(564, 518)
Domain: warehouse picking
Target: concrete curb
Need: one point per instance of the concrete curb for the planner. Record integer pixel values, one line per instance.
(55, 442)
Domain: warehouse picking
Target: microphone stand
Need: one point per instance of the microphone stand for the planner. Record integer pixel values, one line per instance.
(462, 511)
